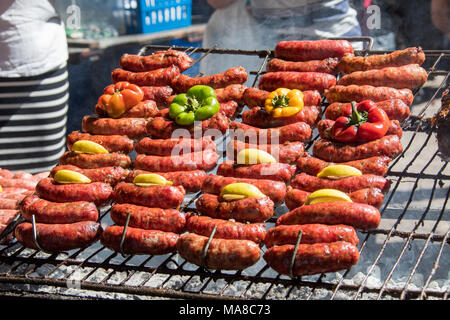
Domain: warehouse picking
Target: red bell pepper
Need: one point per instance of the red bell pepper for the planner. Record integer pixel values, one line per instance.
(367, 122)
(119, 97)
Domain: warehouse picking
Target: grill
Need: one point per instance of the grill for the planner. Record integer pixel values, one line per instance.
(407, 257)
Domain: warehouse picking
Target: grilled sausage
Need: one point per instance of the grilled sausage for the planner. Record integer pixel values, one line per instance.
(92, 161)
(298, 131)
(55, 212)
(167, 147)
(235, 75)
(356, 93)
(7, 216)
(309, 183)
(159, 94)
(109, 175)
(269, 171)
(296, 80)
(229, 108)
(350, 63)
(287, 152)
(325, 128)
(112, 143)
(158, 77)
(389, 146)
(97, 192)
(312, 49)
(15, 196)
(8, 204)
(7, 174)
(190, 180)
(224, 254)
(275, 190)
(311, 233)
(133, 128)
(324, 66)
(157, 196)
(373, 196)
(226, 229)
(410, 76)
(396, 109)
(202, 160)
(233, 92)
(18, 183)
(358, 215)
(373, 165)
(157, 60)
(139, 241)
(312, 258)
(244, 210)
(164, 128)
(254, 97)
(59, 237)
(169, 220)
(258, 117)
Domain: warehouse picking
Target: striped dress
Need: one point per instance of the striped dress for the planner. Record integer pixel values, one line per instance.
(33, 115)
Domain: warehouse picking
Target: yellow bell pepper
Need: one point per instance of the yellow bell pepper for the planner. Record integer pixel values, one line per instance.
(284, 102)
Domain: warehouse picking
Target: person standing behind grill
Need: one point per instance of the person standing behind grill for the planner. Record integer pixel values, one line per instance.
(33, 85)
(261, 24)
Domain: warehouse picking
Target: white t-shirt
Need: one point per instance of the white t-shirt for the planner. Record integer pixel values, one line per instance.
(32, 38)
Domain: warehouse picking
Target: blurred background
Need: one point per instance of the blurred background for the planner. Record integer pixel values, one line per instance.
(99, 32)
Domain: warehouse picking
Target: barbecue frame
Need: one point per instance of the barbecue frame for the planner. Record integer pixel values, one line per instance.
(20, 268)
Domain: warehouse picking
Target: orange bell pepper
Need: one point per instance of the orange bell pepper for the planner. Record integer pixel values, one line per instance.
(119, 97)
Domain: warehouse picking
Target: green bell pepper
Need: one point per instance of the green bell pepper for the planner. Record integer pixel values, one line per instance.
(199, 103)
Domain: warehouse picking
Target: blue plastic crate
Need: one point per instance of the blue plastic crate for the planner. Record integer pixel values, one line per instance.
(147, 16)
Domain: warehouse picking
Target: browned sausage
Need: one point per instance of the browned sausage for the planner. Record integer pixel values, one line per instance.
(309, 183)
(410, 76)
(168, 147)
(17, 183)
(312, 258)
(233, 92)
(296, 80)
(373, 196)
(325, 66)
(92, 161)
(356, 93)
(373, 165)
(57, 212)
(202, 160)
(247, 209)
(235, 75)
(306, 50)
(169, 220)
(97, 192)
(311, 233)
(139, 241)
(109, 175)
(389, 146)
(157, 60)
(226, 229)
(298, 131)
(112, 143)
(59, 237)
(287, 152)
(358, 215)
(159, 94)
(158, 77)
(270, 171)
(275, 190)
(133, 128)
(224, 254)
(350, 63)
(157, 196)
(191, 181)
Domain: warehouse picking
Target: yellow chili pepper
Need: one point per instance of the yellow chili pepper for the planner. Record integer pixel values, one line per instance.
(284, 102)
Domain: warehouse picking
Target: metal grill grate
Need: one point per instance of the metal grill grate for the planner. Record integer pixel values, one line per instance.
(407, 257)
